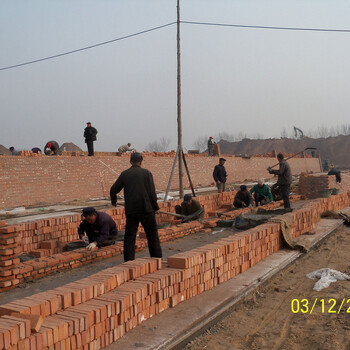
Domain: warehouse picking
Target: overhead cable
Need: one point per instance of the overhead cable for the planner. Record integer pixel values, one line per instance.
(172, 23)
(268, 27)
(88, 47)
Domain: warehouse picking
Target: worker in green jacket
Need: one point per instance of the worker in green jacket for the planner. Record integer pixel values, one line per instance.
(262, 193)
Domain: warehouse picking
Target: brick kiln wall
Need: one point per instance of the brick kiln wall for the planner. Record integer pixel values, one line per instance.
(33, 180)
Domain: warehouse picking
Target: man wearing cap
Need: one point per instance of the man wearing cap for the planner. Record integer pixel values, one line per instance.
(51, 148)
(140, 206)
(284, 179)
(262, 193)
(211, 144)
(90, 136)
(100, 228)
(190, 207)
(220, 175)
(243, 198)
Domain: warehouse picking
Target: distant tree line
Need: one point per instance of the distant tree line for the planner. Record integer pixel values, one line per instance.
(321, 132)
(201, 143)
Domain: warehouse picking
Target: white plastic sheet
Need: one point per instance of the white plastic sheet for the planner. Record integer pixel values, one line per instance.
(326, 277)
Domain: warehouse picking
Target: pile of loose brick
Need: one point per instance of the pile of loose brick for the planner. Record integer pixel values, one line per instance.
(310, 185)
(94, 312)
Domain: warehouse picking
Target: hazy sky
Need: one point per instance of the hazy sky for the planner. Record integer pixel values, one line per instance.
(233, 80)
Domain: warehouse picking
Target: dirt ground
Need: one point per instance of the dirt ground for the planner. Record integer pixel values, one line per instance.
(264, 320)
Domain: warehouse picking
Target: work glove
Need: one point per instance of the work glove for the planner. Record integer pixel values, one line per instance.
(85, 239)
(269, 169)
(92, 246)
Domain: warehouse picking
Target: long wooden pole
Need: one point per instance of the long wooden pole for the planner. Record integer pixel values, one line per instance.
(188, 175)
(179, 125)
(171, 176)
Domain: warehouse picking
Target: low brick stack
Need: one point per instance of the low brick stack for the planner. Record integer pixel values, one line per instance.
(98, 310)
(310, 185)
(9, 250)
(64, 229)
(212, 264)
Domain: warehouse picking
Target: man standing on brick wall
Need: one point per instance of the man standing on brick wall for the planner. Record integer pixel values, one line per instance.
(90, 136)
(211, 144)
(100, 228)
(284, 179)
(140, 206)
(220, 175)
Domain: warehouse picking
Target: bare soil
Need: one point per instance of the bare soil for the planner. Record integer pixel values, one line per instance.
(264, 320)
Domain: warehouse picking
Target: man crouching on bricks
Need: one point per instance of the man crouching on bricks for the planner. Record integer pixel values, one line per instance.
(101, 230)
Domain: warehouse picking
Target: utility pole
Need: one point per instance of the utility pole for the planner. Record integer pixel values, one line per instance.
(179, 126)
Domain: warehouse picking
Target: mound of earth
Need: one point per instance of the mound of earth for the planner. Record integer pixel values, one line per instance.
(4, 151)
(70, 147)
(334, 149)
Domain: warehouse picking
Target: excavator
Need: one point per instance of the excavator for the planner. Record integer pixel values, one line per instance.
(296, 131)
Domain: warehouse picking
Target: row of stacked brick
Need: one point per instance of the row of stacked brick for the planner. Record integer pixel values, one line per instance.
(16, 272)
(310, 185)
(64, 229)
(9, 261)
(98, 310)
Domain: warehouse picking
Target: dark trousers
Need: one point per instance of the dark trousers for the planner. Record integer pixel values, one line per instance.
(90, 146)
(238, 204)
(285, 189)
(259, 199)
(148, 221)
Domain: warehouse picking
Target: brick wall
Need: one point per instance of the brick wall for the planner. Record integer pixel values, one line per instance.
(47, 180)
(96, 311)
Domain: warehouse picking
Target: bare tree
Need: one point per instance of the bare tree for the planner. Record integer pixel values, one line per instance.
(201, 143)
(226, 136)
(162, 145)
(257, 136)
(284, 133)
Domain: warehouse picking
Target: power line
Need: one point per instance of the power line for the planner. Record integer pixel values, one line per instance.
(88, 47)
(170, 24)
(268, 27)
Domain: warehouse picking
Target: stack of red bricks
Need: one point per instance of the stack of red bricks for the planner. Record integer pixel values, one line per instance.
(47, 248)
(80, 314)
(177, 231)
(215, 263)
(310, 185)
(98, 310)
(9, 261)
(28, 154)
(336, 202)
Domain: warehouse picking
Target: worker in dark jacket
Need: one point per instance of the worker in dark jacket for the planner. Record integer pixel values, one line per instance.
(190, 207)
(51, 148)
(284, 179)
(90, 136)
(220, 175)
(140, 206)
(100, 228)
(243, 198)
(335, 172)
